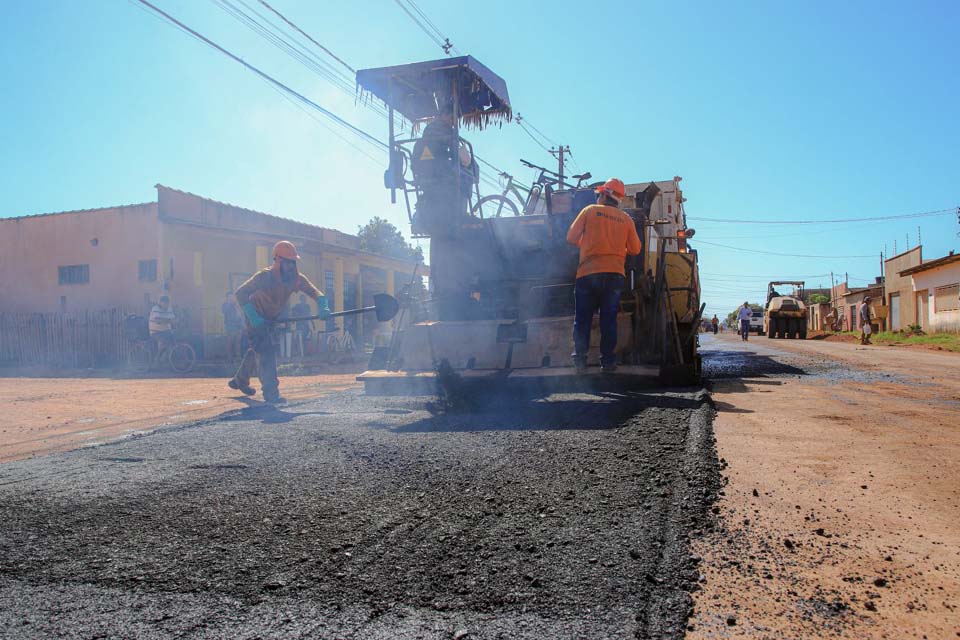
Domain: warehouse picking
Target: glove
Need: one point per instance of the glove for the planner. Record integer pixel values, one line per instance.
(255, 319)
(323, 309)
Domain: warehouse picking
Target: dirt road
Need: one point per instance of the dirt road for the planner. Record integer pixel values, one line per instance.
(842, 513)
(47, 415)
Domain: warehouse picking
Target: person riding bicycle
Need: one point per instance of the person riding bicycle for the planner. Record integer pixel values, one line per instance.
(262, 298)
(162, 319)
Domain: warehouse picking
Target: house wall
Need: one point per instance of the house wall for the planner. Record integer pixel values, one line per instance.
(111, 241)
(944, 321)
(901, 287)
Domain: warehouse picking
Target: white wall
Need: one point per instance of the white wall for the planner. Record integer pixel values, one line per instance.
(930, 280)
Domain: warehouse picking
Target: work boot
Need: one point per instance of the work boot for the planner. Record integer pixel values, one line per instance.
(246, 389)
(581, 365)
(608, 367)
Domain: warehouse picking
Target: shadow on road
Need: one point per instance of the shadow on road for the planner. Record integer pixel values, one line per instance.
(267, 413)
(503, 412)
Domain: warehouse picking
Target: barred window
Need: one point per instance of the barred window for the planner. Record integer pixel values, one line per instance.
(74, 274)
(147, 271)
(946, 298)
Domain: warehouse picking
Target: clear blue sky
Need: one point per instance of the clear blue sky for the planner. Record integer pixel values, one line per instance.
(769, 111)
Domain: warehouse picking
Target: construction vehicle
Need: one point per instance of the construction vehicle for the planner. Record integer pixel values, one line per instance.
(785, 316)
(501, 305)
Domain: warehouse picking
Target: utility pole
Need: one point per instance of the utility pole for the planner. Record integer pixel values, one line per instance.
(558, 154)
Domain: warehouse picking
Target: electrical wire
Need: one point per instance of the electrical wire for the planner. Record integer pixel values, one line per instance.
(423, 27)
(307, 36)
(777, 253)
(307, 101)
(924, 214)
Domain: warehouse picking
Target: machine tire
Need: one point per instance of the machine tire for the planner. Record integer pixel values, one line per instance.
(771, 334)
(496, 203)
(803, 334)
(791, 329)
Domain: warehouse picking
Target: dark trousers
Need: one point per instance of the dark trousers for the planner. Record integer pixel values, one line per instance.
(745, 329)
(262, 349)
(598, 291)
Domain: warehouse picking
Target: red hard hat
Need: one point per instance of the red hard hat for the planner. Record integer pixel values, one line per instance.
(286, 250)
(613, 186)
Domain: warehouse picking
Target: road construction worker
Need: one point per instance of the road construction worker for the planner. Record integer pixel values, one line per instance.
(715, 324)
(865, 328)
(444, 170)
(606, 236)
(263, 298)
(744, 314)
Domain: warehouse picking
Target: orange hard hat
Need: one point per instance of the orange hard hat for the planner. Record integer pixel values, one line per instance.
(286, 250)
(613, 186)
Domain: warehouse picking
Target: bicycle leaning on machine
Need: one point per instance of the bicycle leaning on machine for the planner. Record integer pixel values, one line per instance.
(512, 200)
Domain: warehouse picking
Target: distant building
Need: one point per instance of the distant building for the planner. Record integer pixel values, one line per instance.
(193, 248)
(851, 306)
(901, 298)
(936, 291)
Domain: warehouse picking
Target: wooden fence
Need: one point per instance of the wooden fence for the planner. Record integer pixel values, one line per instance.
(81, 339)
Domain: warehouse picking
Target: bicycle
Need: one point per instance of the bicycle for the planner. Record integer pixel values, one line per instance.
(534, 202)
(180, 357)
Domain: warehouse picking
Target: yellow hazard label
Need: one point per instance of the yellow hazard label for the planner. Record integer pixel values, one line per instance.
(426, 155)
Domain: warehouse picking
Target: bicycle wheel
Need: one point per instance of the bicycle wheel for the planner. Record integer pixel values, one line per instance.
(494, 206)
(140, 357)
(182, 357)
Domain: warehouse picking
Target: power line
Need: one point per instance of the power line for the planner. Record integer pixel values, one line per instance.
(307, 36)
(777, 253)
(356, 130)
(925, 214)
(443, 44)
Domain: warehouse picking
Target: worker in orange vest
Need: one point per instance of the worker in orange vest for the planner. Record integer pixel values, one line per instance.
(606, 236)
(263, 297)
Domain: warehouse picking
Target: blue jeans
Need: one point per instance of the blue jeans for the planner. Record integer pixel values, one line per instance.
(596, 291)
(745, 329)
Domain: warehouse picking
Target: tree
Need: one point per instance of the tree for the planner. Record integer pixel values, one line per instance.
(819, 298)
(380, 236)
(732, 316)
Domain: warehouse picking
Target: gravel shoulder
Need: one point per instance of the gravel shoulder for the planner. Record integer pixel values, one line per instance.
(839, 517)
(347, 516)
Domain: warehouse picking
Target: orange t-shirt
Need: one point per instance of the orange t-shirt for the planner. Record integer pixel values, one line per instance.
(605, 236)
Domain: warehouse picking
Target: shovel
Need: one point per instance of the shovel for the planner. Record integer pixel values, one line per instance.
(384, 305)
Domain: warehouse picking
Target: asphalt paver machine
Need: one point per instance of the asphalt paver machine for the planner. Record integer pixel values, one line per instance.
(501, 288)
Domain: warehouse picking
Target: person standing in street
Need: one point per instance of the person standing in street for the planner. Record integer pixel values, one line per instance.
(606, 236)
(865, 328)
(743, 317)
(715, 323)
(161, 321)
(263, 298)
(302, 337)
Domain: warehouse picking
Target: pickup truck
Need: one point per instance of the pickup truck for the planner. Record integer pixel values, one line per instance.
(756, 322)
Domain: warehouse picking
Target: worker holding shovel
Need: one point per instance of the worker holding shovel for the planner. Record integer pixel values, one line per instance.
(262, 298)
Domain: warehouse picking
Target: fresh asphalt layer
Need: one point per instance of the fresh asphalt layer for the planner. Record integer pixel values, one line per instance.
(361, 517)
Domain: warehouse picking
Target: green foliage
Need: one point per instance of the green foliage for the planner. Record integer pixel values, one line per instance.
(819, 298)
(731, 319)
(380, 236)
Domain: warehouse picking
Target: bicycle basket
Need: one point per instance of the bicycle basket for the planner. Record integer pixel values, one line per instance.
(136, 328)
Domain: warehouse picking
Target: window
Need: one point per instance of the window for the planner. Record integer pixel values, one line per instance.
(147, 271)
(946, 298)
(74, 274)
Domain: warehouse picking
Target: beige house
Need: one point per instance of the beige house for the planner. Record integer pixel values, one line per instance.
(936, 291)
(901, 297)
(194, 248)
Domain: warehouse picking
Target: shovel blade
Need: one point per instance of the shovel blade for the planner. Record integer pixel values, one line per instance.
(386, 307)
